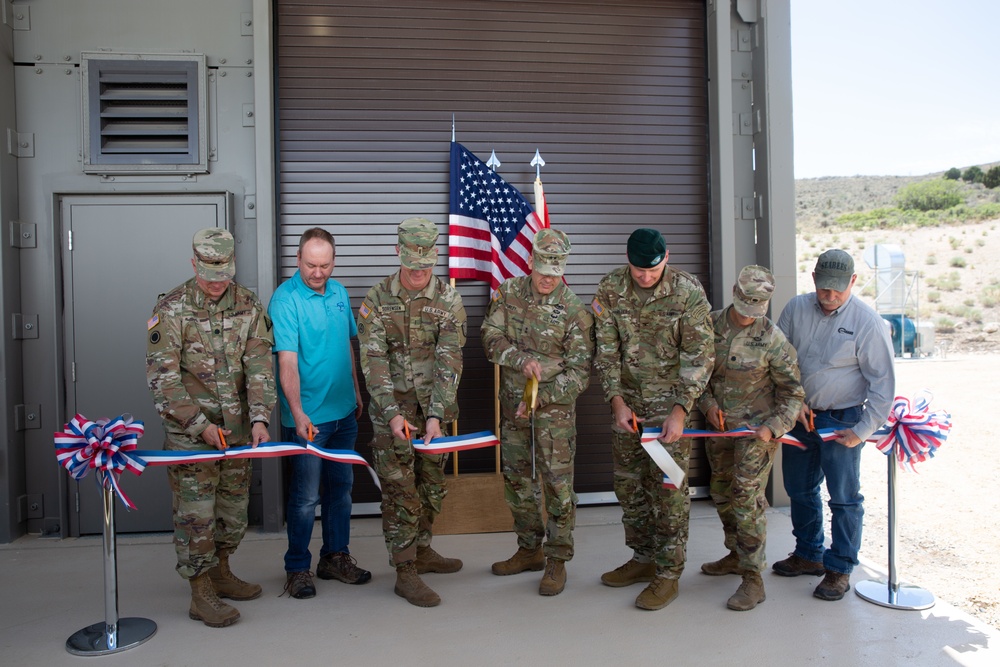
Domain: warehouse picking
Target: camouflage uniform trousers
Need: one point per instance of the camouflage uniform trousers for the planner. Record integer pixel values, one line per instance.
(210, 503)
(740, 467)
(413, 488)
(555, 450)
(655, 518)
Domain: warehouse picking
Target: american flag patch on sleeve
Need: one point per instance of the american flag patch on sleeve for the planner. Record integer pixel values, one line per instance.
(364, 311)
(597, 307)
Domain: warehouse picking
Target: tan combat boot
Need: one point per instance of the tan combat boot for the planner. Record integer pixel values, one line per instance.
(630, 573)
(554, 580)
(429, 560)
(730, 564)
(523, 561)
(227, 584)
(410, 586)
(206, 605)
(660, 592)
(749, 594)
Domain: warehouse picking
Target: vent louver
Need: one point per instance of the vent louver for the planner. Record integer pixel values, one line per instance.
(144, 113)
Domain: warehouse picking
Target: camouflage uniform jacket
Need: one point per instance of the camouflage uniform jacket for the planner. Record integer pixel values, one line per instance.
(210, 363)
(756, 377)
(655, 350)
(411, 349)
(555, 329)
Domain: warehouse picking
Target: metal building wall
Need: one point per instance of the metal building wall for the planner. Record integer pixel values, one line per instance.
(240, 31)
(47, 41)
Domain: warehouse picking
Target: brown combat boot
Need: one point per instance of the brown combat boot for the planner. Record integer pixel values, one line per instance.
(833, 586)
(730, 564)
(429, 560)
(794, 566)
(227, 584)
(206, 605)
(749, 594)
(554, 580)
(410, 586)
(660, 592)
(630, 573)
(523, 561)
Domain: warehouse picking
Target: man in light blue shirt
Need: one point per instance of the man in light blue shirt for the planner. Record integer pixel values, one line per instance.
(320, 402)
(846, 362)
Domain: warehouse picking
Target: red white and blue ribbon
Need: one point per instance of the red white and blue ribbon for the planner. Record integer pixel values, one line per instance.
(457, 443)
(673, 476)
(107, 446)
(913, 430)
(266, 450)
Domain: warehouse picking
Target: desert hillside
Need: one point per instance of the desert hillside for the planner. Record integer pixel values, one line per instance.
(952, 267)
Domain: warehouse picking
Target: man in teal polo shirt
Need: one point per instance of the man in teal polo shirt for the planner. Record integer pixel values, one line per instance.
(321, 403)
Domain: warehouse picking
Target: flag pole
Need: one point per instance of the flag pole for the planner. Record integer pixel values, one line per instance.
(493, 163)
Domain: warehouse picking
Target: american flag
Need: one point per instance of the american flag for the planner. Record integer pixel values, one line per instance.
(491, 225)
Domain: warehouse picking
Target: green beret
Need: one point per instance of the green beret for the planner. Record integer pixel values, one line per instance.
(646, 248)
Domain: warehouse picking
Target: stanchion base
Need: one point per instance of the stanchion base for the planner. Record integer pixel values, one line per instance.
(878, 591)
(93, 640)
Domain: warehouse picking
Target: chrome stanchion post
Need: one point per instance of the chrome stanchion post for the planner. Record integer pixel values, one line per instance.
(113, 634)
(890, 593)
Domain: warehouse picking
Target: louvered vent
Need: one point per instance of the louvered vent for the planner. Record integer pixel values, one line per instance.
(144, 113)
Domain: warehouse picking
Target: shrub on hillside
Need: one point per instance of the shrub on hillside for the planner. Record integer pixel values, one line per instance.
(930, 195)
(953, 174)
(992, 177)
(973, 175)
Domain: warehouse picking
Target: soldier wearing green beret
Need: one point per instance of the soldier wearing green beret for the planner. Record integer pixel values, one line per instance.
(755, 384)
(209, 368)
(535, 327)
(412, 327)
(654, 355)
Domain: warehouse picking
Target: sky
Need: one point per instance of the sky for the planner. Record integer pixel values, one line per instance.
(893, 87)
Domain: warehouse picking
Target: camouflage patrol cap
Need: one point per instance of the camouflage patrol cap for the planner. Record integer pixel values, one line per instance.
(213, 254)
(752, 291)
(646, 248)
(549, 252)
(834, 270)
(417, 237)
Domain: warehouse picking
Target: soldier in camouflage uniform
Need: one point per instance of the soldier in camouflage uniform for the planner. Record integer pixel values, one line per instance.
(755, 384)
(208, 365)
(654, 354)
(536, 327)
(412, 328)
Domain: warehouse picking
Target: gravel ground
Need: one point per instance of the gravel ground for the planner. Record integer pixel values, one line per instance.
(948, 541)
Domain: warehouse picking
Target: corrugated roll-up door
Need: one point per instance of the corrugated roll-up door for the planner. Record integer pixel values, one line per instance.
(612, 94)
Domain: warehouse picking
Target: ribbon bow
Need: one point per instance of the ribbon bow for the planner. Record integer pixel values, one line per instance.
(102, 445)
(917, 431)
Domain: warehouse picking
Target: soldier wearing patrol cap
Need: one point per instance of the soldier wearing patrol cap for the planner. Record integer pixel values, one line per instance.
(755, 385)
(208, 366)
(654, 354)
(412, 327)
(535, 327)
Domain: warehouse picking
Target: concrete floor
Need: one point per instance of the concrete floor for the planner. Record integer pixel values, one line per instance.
(52, 588)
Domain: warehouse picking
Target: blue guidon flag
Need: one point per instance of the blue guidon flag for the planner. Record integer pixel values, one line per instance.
(491, 226)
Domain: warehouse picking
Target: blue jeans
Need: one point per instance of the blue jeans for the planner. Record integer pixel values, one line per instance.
(310, 475)
(804, 471)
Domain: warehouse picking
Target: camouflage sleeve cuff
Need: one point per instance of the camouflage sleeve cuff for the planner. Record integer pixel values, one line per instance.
(198, 426)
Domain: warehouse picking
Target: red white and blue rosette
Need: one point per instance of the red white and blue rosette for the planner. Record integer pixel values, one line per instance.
(105, 445)
(913, 430)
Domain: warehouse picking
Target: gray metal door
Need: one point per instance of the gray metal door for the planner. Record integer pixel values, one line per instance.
(121, 252)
